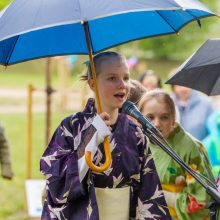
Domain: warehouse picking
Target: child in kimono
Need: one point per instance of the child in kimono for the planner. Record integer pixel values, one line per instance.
(185, 197)
(130, 187)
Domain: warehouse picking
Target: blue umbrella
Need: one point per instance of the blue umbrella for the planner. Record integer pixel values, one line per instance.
(36, 28)
(31, 29)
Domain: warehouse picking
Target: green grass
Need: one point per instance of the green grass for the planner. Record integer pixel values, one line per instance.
(12, 199)
(22, 74)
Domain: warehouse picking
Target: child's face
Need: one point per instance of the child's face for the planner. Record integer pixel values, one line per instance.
(159, 115)
(113, 83)
(150, 82)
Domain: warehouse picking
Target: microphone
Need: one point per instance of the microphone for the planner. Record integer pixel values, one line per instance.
(131, 109)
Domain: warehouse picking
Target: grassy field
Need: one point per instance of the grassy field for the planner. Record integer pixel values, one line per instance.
(13, 200)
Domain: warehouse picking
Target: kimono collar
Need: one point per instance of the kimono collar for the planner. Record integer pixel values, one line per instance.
(177, 132)
(90, 107)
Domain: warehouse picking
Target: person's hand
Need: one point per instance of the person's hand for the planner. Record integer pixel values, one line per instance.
(106, 118)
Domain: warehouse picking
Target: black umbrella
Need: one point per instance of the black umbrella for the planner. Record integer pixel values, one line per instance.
(201, 71)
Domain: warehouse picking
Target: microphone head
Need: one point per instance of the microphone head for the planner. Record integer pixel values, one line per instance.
(127, 106)
(130, 108)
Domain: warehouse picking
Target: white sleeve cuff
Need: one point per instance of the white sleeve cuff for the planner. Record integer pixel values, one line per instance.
(102, 131)
(101, 128)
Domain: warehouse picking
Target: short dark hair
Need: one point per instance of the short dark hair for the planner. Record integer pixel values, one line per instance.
(137, 90)
(97, 59)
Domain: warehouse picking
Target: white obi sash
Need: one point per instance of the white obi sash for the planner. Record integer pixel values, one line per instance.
(113, 203)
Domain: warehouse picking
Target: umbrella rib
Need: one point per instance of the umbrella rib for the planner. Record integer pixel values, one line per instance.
(195, 18)
(213, 87)
(166, 21)
(9, 57)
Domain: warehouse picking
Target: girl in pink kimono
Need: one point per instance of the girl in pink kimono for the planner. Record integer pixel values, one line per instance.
(130, 187)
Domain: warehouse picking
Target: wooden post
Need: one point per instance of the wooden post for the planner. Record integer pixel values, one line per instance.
(48, 99)
(30, 89)
(64, 76)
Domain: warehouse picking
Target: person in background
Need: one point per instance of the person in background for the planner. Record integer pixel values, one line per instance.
(130, 187)
(212, 141)
(194, 110)
(185, 197)
(137, 90)
(150, 80)
(5, 160)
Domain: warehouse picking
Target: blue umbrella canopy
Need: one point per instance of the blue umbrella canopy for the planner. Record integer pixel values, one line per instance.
(36, 28)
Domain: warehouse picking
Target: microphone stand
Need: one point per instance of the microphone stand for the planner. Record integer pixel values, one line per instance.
(213, 192)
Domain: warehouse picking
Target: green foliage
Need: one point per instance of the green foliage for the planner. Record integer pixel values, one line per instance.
(178, 47)
(3, 3)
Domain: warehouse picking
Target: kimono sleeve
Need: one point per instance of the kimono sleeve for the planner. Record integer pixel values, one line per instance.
(191, 202)
(151, 201)
(60, 161)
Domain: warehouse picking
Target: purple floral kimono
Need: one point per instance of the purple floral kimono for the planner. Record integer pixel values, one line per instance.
(71, 196)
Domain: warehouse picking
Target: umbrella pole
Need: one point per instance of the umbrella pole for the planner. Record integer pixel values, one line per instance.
(88, 158)
(88, 41)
